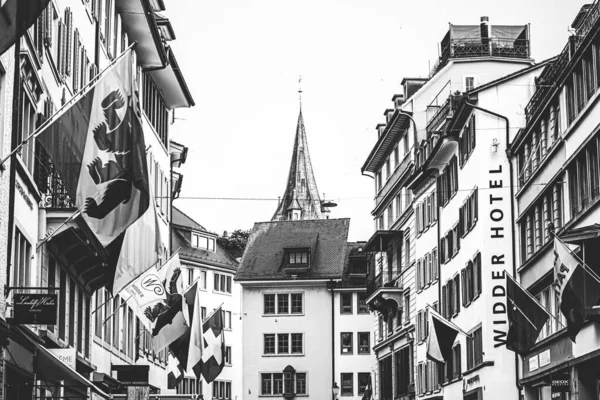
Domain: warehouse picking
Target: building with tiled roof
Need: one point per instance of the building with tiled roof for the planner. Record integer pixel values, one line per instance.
(205, 261)
(306, 325)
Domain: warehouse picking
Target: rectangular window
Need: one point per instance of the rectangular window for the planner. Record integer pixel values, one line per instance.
(347, 388)
(21, 260)
(406, 308)
(364, 342)
(98, 314)
(222, 283)
(346, 303)
(361, 306)
(203, 313)
(285, 342)
(301, 383)
(297, 343)
(297, 303)
(269, 304)
(269, 344)
(203, 280)
(474, 349)
(298, 257)
(228, 355)
(283, 304)
(346, 342)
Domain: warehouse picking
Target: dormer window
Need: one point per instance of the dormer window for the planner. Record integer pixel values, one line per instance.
(298, 256)
(203, 242)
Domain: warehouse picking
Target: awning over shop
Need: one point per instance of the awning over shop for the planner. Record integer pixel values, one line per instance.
(49, 368)
(380, 241)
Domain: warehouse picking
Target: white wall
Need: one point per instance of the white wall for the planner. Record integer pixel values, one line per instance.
(315, 323)
(352, 363)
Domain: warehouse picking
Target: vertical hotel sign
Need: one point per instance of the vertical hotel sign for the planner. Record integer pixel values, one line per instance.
(499, 227)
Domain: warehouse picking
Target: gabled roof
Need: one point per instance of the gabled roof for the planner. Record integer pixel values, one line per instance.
(263, 258)
(182, 224)
(181, 219)
(515, 74)
(301, 189)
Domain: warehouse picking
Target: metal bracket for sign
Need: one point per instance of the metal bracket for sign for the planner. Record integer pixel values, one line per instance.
(7, 289)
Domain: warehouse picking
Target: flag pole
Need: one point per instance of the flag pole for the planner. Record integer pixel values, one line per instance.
(583, 264)
(46, 123)
(534, 299)
(448, 321)
(114, 312)
(51, 235)
(213, 312)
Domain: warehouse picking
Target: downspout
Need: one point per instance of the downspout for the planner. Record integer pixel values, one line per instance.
(409, 116)
(512, 209)
(16, 122)
(331, 286)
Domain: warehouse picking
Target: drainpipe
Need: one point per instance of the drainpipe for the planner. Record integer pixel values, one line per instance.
(16, 119)
(409, 116)
(331, 286)
(512, 209)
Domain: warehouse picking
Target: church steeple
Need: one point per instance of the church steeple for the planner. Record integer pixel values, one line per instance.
(301, 198)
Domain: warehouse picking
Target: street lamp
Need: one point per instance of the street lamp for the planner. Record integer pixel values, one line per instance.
(335, 389)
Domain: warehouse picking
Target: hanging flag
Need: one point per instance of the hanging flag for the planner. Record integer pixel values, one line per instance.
(213, 357)
(196, 345)
(16, 16)
(442, 334)
(98, 148)
(142, 246)
(147, 288)
(569, 280)
(189, 347)
(175, 372)
(164, 318)
(368, 390)
(526, 318)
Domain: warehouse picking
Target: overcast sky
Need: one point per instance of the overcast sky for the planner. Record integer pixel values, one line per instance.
(242, 60)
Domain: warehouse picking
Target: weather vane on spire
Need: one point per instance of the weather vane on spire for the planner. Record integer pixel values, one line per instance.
(300, 90)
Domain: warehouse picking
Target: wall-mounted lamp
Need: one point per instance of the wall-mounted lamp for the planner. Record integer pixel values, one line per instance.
(495, 144)
(335, 389)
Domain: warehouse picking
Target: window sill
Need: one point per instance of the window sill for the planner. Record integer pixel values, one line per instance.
(549, 155)
(282, 315)
(283, 355)
(537, 254)
(478, 367)
(450, 382)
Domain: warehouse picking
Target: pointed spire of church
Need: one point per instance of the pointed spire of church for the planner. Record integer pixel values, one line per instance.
(301, 198)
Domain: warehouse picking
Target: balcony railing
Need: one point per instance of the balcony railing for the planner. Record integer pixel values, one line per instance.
(552, 72)
(444, 111)
(49, 183)
(374, 283)
(492, 47)
(425, 150)
(393, 179)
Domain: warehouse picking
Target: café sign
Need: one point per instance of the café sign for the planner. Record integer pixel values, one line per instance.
(34, 309)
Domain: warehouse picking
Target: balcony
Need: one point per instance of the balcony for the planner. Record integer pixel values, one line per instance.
(399, 172)
(384, 290)
(467, 41)
(49, 183)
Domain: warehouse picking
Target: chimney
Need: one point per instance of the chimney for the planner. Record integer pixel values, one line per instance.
(380, 128)
(389, 113)
(398, 100)
(485, 31)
